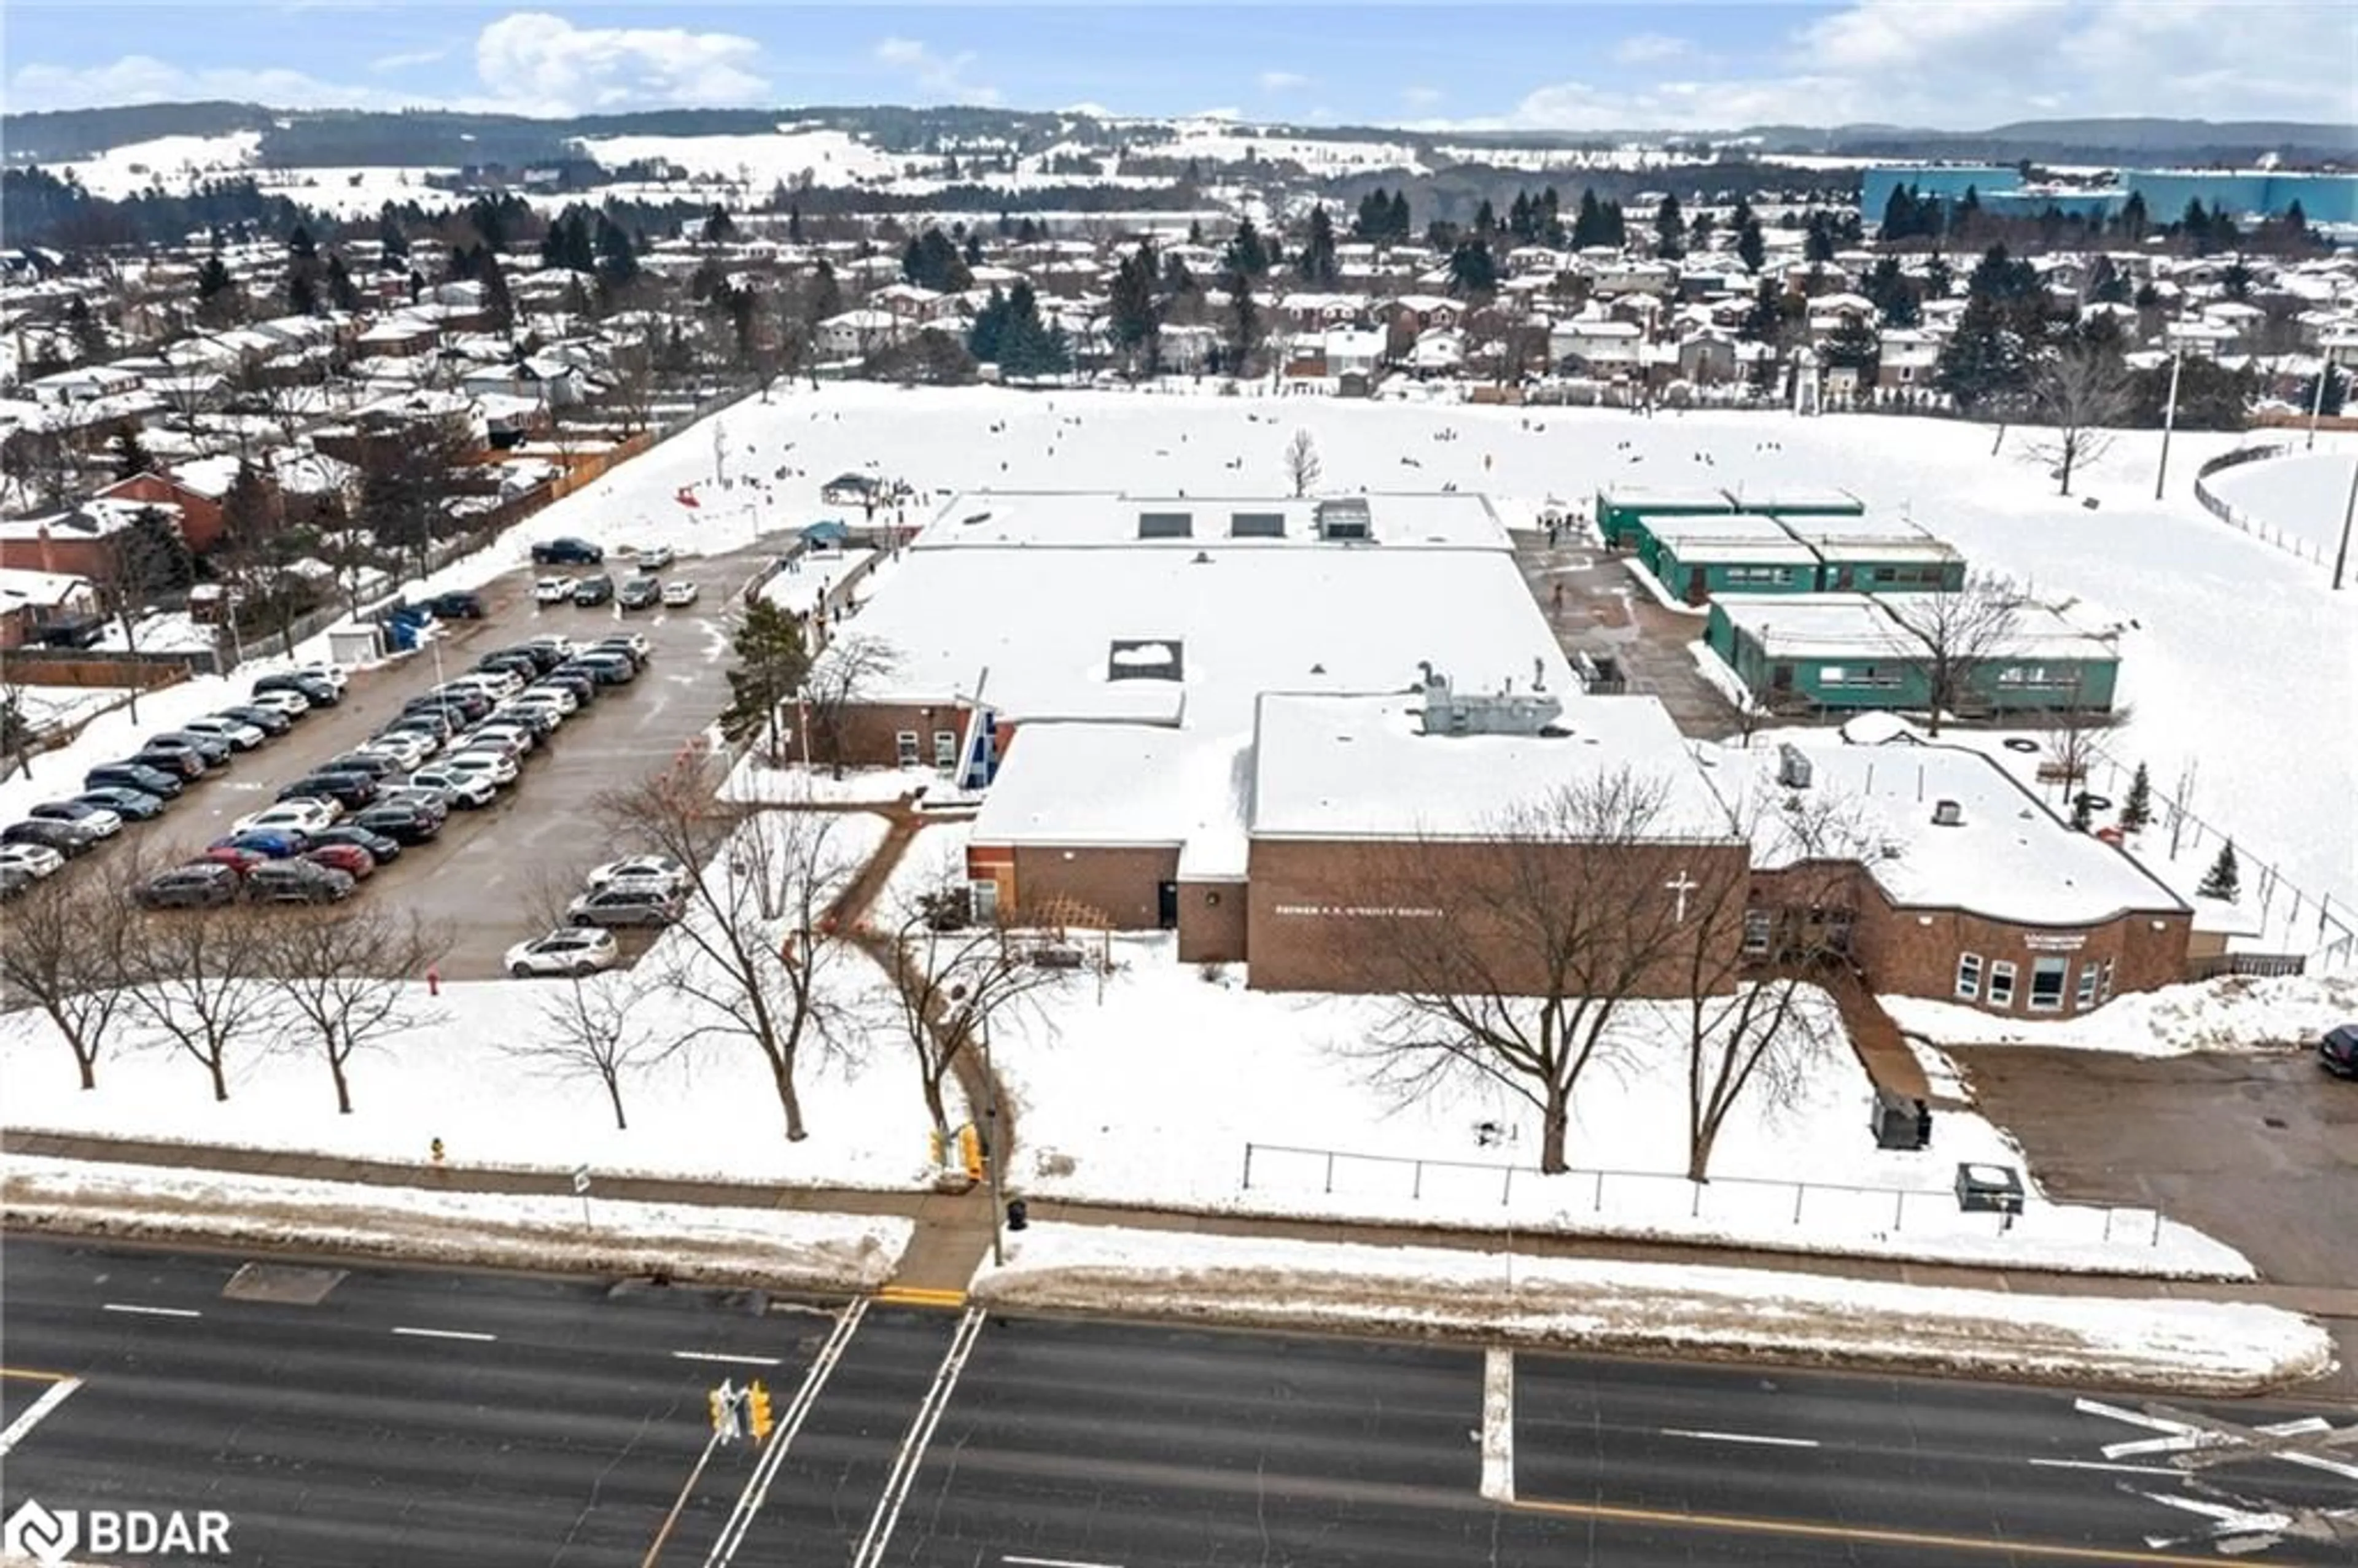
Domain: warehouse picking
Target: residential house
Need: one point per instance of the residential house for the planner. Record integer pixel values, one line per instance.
(33, 603)
(1597, 346)
(196, 492)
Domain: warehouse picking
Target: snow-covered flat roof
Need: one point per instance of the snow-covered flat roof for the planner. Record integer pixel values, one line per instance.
(1361, 767)
(1657, 496)
(1896, 548)
(1123, 784)
(1819, 626)
(1451, 520)
(1740, 536)
(1814, 500)
(2009, 857)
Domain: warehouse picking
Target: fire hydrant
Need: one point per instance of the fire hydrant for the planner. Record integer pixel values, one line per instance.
(436, 1149)
(433, 981)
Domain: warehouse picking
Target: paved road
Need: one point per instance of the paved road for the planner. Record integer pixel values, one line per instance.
(561, 1430)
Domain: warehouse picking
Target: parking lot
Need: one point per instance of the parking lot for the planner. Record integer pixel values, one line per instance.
(491, 877)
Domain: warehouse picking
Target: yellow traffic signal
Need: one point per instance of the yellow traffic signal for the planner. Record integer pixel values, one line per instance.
(970, 1150)
(757, 1409)
(718, 1398)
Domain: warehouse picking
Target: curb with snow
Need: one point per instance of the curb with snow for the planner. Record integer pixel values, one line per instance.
(1651, 1309)
(767, 1249)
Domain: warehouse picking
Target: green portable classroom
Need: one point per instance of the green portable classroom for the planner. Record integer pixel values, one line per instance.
(1622, 511)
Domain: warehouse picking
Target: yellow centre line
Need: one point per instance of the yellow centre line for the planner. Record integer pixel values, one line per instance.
(1863, 1535)
(31, 1375)
(915, 1295)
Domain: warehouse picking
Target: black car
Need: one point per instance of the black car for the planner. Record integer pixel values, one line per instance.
(545, 656)
(538, 717)
(472, 701)
(316, 692)
(642, 593)
(215, 750)
(458, 604)
(380, 847)
(181, 762)
(402, 821)
(510, 661)
(162, 782)
(297, 881)
(606, 669)
(203, 884)
(370, 763)
(67, 839)
(351, 791)
(591, 592)
(131, 805)
(2337, 1050)
(580, 684)
(567, 553)
(269, 720)
(630, 645)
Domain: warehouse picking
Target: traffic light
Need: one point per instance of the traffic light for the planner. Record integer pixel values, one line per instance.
(970, 1150)
(757, 1411)
(722, 1402)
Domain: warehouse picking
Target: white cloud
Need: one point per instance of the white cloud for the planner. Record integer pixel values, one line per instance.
(1421, 97)
(543, 64)
(1282, 81)
(405, 60)
(144, 79)
(1650, 48)
(942, 76)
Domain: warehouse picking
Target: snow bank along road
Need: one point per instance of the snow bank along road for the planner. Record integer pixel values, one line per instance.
(385, 1415)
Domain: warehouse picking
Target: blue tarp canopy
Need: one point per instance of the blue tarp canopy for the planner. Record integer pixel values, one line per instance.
(829, 532)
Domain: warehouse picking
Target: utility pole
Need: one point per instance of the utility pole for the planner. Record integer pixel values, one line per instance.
(2349, 509)
(991, 1119)
(2317, 403)
(2169, 422)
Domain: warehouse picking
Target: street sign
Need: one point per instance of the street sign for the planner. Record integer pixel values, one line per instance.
(582, 1180)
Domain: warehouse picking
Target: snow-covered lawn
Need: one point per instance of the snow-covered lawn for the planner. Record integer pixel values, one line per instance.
(1659, 1309)
(722, 1246)
(751, 783)
(2299, 497)
(1149, 1091)
(2233, 1012)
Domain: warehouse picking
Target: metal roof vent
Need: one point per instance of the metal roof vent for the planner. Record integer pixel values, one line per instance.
(1948, 813)
(1792, 767)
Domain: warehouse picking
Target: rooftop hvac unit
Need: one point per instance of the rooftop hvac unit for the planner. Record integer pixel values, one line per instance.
(1948, 813)
(1792, 767)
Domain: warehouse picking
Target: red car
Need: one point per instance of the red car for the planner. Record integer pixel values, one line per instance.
(238, 860)
(349, 858)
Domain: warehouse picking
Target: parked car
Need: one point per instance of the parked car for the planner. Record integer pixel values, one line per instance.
(131, 805)
(651, 557)
(330, 676)
(561, 552)
(313, 689)
(182, 761)
(369, 762)
(297, 882)
(269, 720)
(165, 784)
(486, 764)
(236, 860)
(205, 885)
(591, 592)
(406, 749)
(35, 860)
(349, 858)
(550, 648)
(583, 950)
(67, 839)
(2337, 1052)
(651, 870)
(240, 736)
(634, 643)
(579, 684)
(458, 604)
(271, 845)
(99, 820)
(434, 719)
(678, 593)
(380, 847)
(642, 593)
(289, 817)
(402, 821)
(516, 740)
(473, 702)
(286, 702)
(465, 788)
(541, 717)
(493, 683)
(624, 905)
(215, 751)
(605, 668)
(351, 791)
(552, 590)
(513, 662)
(436, 801)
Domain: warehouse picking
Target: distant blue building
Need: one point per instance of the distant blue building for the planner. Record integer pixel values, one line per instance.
(2247, 194)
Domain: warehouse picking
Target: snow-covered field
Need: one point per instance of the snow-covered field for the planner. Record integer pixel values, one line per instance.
(1659, 1309)
(758, 162)
(2300, 497)
(722, 1246)
(1148, 1089)
(2233, 1012)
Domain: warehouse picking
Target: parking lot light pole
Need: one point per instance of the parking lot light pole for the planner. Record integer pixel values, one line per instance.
(991, 1121)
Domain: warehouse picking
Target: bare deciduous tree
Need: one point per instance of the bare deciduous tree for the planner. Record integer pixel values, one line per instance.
(64, 949)
(349, 974)
(199, 983)
(750, 948)
(595, 1030)
(1301, 465)
(1963, 629)
(1511, 952)
(843, 674)
(2082, 394)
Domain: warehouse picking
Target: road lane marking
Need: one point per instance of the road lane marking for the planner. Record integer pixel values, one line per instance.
(919, 1295)
(1860, 1535)
(34, 1375)
(2100, 1464)
(151, 1311)
(881, 1523)
(1054, 1563)
(447, 1333)
(57, 1394)
(1752, 1437)
(757, 1486)
(1498, 1425)
(728, 1360)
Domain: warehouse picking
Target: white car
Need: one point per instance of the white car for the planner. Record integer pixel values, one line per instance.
(522, 711)
(330, 674)
(678, 593)
(299, 816)
(495, 684)
(574, 950)
(240, 735)
(293, 704)
(486, 764)
(515, 739)
(553, 590)
(38, 859)
(556, 641)
(660, 870)
(651, 557)
(464, 786)
(406, 747)
(555, 698)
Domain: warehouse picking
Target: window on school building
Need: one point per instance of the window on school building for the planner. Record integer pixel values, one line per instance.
(945, 747)
(2047, 978)
(1860, 675)
(904, 748)
(1778, 575)
(1969, 976)
(982, 897)
(2001, 985)
(2085, 996)
(1757, 926)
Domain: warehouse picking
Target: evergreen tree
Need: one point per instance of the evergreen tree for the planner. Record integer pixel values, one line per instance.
(127, 455)
(1132, 320)
(302, 294)
(1245, 252)
(932, 261)
(1937, 278)
(1855, 345)
(1699, 232)
(1763, 319)
(617, 258)
(392, 243)
(1669, 230)
(212, 280)
(343, 293)
(1316, 265)
(1519, 218)
(1616, 226)
(972, 254)
(989, 328)
(2083, 810)
(1895, 301)
(1817, 239)
(1982, 359)
(2295, 221)
(497, 301)
(1244, 323)
(300, 245)
(1751, 247)
(2105, 285)
(1486, 221)
(795, 222)
(2132, 220)
(771, 661)
(719, 227)
(1473, 271)
(2137, 810)
(1587, 222)
(1900, 215)
(89, 332)
(2223, 880)
(1396, 222)
(1027, 347)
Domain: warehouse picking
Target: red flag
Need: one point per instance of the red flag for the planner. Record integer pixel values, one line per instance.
(686, 497)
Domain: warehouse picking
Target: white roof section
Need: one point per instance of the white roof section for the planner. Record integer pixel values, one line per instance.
(1105, 785)
(1818, 626)
(1657, 496)
(1075, 519)
(1771, 500)
(2009, 858)
(1361, 767)
(1730, 536)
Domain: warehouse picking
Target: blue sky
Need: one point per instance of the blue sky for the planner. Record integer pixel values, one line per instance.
(1952, 63)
